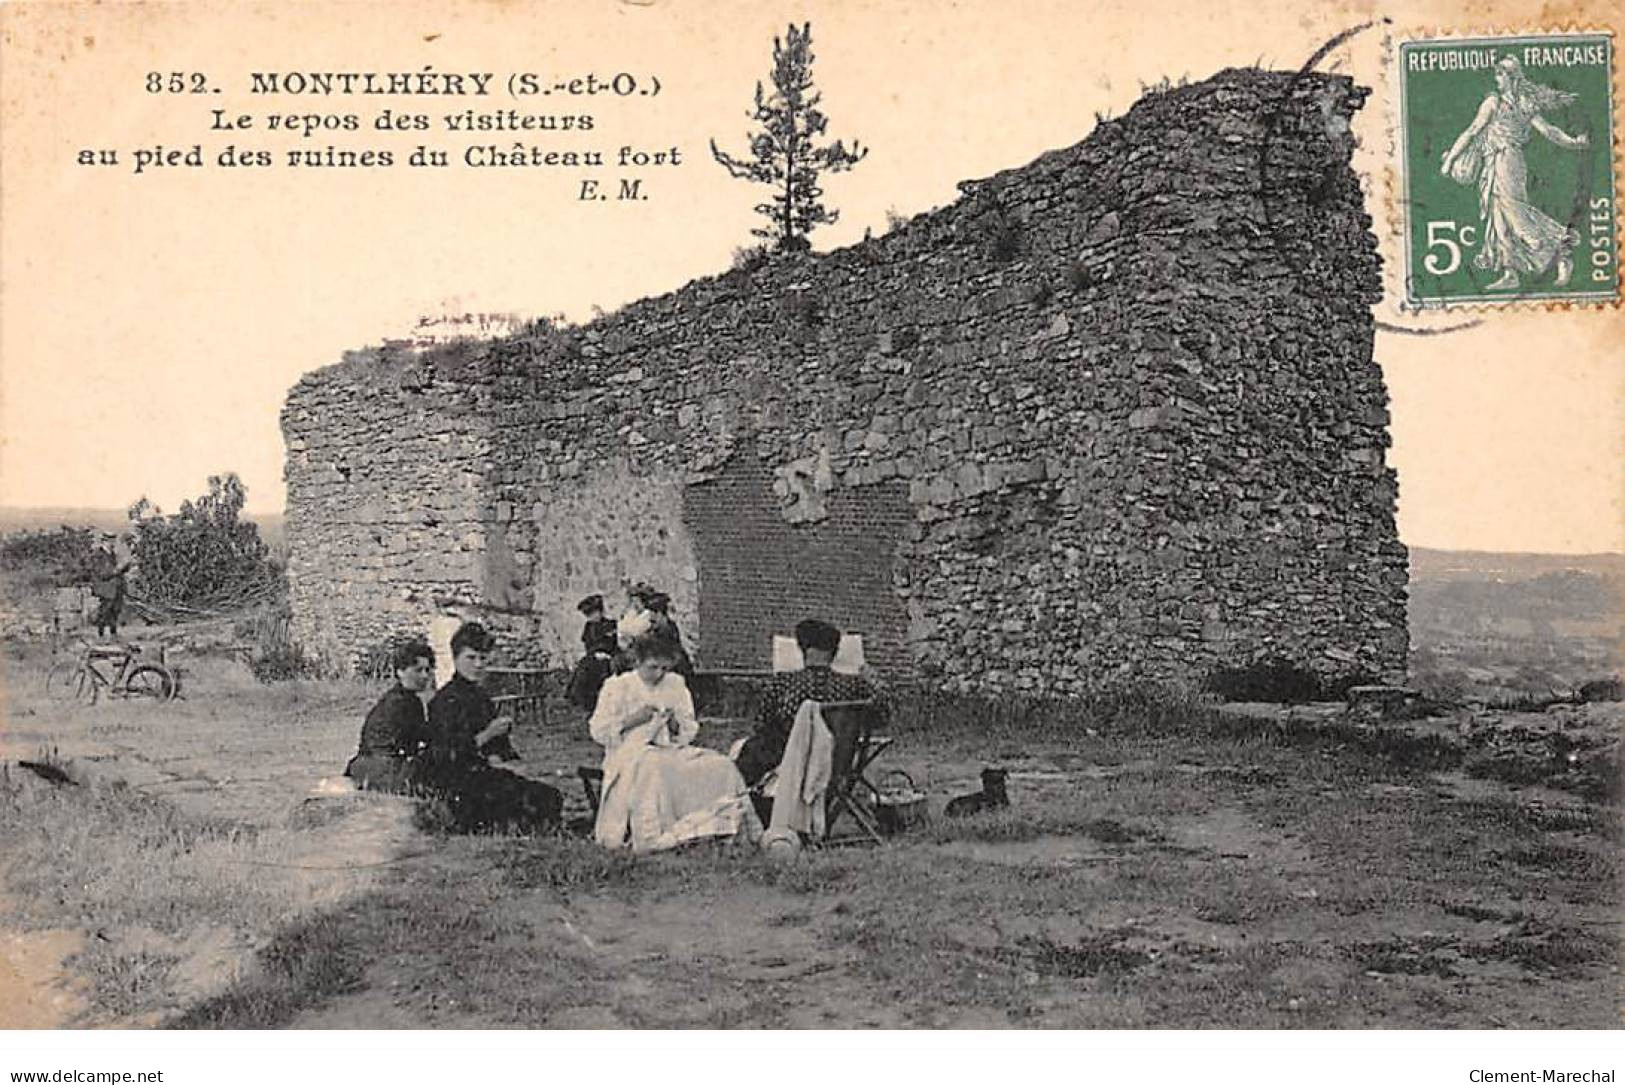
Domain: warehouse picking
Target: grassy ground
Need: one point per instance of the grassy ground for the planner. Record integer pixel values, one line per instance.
(1159, 867)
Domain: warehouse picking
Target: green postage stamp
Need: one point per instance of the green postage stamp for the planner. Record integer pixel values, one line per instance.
(1506, 148)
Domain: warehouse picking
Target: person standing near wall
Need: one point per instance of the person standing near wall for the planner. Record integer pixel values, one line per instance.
(599, 642)
(107, 585)
(664, 626)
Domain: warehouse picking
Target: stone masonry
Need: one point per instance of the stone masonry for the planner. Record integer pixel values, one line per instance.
(1110, 417)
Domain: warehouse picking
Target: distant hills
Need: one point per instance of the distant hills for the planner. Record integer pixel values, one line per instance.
(1451, 588)
(1503, 626)
(49, 519)
(1432, 564)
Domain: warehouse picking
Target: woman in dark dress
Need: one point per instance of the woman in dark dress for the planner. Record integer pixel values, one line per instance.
(598, 639)
(465, 730)
(396, 730)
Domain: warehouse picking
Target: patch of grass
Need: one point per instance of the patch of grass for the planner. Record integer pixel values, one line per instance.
(790, 919)
(1025, 721)
(1527, 818)
(1403, 957)
(1228, 913)
(1475, 912)
(1005, 239)
(1397, 748)
(1010, 825)
(1101, 954)
(563, 863)
(305, 963)
(1548, 763)
(1537, 947)
(572, 864)
(125, 984)
(444, 939)
(1563, 860)
(112, 853)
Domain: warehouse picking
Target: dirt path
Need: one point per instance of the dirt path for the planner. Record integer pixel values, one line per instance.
(36, 989)
(222, 756)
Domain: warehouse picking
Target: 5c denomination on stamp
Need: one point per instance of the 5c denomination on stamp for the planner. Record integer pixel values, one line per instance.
(1506, 148)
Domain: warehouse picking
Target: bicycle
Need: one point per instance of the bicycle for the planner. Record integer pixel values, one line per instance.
(114, 669)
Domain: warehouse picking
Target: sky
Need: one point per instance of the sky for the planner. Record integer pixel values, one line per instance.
(151, 323)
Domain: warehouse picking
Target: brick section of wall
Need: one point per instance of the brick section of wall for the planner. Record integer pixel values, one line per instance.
(1128, 390)
(759, 575)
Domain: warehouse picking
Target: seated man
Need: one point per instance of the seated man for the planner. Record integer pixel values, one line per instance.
(764, 749)
(465, 729)
(396, 731)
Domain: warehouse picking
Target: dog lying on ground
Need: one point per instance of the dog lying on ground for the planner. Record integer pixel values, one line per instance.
(992, 796)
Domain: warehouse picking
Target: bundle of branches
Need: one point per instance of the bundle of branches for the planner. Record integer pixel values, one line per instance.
(205, 559)
(161, 612)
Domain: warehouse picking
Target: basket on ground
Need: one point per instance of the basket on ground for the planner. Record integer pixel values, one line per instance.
(899, 804)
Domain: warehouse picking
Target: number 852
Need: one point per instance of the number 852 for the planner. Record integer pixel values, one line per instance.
(1439, 238)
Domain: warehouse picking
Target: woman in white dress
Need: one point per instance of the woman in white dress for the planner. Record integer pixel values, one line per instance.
(1517, 237)
(659, 791)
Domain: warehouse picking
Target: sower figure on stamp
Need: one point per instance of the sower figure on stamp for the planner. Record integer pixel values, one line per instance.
(465, 728)
(1517, 237)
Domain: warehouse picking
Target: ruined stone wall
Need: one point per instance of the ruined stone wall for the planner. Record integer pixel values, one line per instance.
(1112, 416)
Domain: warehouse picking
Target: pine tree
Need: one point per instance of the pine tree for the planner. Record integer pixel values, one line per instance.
(784, 153)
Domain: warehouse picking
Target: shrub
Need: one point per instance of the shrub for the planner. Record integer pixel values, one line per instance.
(1274, 681)
(277, 657)
(1004, 240)
(748, 258)
(1603, 689)
(801, 308)
(38, 561)
(282, 663)
(205, 555)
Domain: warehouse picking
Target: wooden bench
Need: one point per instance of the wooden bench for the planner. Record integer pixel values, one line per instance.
(522, 693)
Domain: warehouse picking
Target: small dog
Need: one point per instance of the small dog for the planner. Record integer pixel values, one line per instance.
(990, 797)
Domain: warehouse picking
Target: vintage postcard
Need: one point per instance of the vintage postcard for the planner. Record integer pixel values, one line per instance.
(648, 516)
